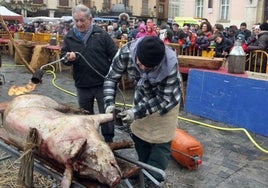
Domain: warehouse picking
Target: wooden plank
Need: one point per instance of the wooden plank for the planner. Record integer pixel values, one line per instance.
(200, 62)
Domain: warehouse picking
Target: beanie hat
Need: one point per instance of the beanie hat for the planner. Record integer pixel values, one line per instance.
(241, 37)
(150, 51)
(264, 27)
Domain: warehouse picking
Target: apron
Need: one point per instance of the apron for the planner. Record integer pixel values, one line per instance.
(155, 128)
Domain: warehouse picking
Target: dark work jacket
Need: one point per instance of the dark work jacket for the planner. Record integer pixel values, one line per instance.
(99, 51)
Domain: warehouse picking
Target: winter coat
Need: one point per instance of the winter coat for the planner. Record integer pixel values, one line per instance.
(98, 50)
(261, 43)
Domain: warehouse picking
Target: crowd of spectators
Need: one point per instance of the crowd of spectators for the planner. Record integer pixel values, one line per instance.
(188, 36)
(203, 37)
(197, 36)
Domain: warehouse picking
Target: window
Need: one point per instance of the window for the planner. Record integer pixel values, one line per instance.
(126, 2)
(174, 7)
(210, 3)
(199, 5)
(144, 9)
(37, 1)
(106, 4)
(64, 3)
(224, 9)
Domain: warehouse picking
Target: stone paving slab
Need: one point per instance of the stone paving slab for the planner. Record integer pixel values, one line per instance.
(230, 159)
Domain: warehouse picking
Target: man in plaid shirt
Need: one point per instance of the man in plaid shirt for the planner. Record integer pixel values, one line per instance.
(153, 117)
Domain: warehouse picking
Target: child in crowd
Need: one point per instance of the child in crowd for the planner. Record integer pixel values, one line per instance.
(142, 31)
(150, 30)
(201, 41)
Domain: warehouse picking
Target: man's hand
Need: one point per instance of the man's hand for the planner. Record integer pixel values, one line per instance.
(110, 109)
(127, 116)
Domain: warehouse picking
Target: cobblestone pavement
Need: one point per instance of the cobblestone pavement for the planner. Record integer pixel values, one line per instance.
(230, 159)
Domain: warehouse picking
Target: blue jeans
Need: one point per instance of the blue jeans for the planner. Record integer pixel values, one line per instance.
(86, 97)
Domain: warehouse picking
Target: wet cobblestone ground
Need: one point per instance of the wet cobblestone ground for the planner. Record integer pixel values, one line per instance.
(230, 159)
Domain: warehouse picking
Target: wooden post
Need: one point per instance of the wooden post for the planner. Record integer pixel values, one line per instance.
(16, 47)
(25, 176)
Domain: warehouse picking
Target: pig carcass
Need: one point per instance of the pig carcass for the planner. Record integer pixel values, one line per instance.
(70, 139)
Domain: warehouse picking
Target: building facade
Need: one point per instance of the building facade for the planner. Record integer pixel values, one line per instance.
(226, 12)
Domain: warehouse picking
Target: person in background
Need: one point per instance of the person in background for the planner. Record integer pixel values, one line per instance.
(157, 95)
(122, 30)
(223, 45)
(262, 39)
(166, 34)
(115, 29)
(123, 19)
(150, 31)
(187, 38)
(201, 41)
(217, 28)
(261, 44)
(97, 50)
(110, 31)
(142, 31)
(252, 40)
(241, 38)
(206, 28)
(244, 31)
(176, 32)
(133, 33)
(149, 21)
(231, 34)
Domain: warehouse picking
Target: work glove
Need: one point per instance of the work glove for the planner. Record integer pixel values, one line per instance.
(127, 116)
(110, 109)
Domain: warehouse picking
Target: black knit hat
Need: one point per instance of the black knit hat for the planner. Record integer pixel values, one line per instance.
(150, 51)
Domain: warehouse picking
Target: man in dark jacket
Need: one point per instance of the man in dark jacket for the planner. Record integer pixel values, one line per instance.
(90, 50)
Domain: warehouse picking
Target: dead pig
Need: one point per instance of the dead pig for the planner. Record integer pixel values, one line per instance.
(72, 140)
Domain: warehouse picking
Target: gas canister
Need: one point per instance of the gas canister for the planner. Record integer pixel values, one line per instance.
(186, 150)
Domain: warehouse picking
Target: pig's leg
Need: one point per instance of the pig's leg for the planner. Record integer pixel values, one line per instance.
(67, 177)
(100, 118)
(3, 106)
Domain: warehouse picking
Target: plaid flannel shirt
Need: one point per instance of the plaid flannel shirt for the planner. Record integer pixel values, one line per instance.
(148, 98)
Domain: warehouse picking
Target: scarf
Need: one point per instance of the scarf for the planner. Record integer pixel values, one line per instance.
(83, 36)
(159, 72)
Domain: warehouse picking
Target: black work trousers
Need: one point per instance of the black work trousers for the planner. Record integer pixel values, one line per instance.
(156, 155)
(86, 98)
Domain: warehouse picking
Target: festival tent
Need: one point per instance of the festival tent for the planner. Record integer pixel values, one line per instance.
(9, 15)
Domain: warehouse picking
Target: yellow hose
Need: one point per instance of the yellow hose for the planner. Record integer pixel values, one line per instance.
(54, 83)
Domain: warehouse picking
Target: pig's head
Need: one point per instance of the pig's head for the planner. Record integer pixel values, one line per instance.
(98, 162)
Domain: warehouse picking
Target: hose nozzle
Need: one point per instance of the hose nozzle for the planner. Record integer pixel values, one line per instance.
(38, 74)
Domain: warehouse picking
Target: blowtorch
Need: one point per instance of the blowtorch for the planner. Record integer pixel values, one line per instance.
(38, 74)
